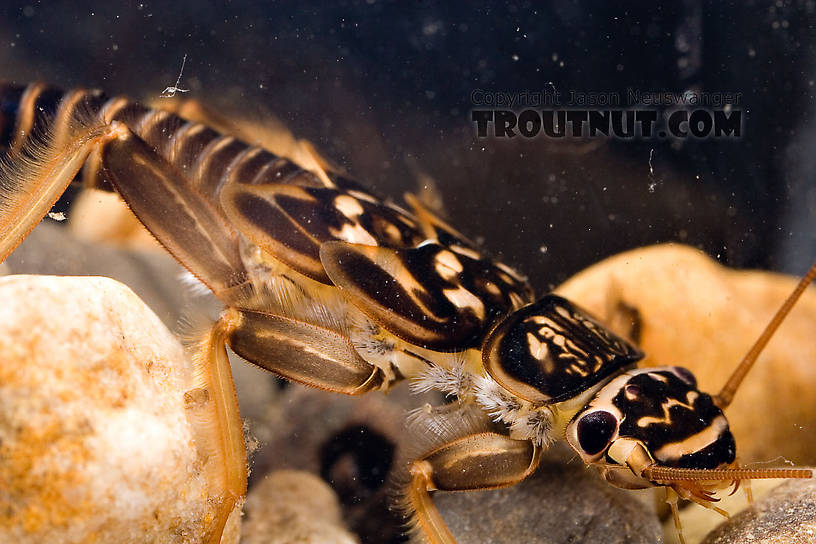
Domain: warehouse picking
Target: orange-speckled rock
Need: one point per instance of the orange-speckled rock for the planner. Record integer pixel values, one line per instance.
(701, 315)
(94, 442)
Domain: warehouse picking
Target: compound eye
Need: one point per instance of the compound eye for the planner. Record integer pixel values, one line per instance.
(685, 375)
(595, 431)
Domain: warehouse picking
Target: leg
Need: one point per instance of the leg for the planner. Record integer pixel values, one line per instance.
(300, 351)
(181, 219)
(671, 500)
(32, 186)
(477, 461)
(749, 495)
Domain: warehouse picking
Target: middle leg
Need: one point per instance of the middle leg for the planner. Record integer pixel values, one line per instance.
(474, 462)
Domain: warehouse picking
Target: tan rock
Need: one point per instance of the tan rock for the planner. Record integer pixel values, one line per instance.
(94, 442)
(153, 276)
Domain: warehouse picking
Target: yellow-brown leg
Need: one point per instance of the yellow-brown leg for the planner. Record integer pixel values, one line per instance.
(32, 185)
(212, 409)
(671, 500)
(180, 218)
(474, 462)
(301, 352)
(746, 488)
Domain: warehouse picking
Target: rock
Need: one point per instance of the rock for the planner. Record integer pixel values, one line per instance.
(562, 502)
(153, 276)
(95, 445)
(292, 506)
(787, 515)
(698, 314)
(698, 521)
(295, 430)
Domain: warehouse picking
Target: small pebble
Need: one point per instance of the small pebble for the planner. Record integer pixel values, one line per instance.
(293, 507)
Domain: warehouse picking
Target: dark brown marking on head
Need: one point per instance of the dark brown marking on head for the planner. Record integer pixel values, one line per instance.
(679, 425)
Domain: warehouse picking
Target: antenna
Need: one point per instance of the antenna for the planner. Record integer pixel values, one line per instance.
(726, 395)
(671, 474)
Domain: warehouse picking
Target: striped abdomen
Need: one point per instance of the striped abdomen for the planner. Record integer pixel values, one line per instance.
(207, 159)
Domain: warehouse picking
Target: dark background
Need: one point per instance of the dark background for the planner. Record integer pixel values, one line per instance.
(384, 89)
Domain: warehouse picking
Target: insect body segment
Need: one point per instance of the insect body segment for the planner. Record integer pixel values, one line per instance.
(430, 295)
(656, 409)
(551, 351)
